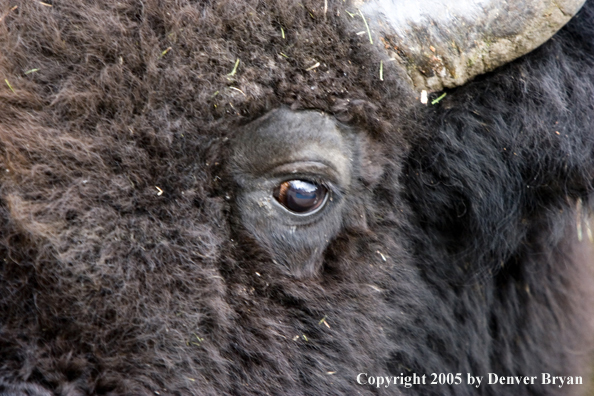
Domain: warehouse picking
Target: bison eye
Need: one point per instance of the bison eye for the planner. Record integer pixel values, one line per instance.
(300, 196)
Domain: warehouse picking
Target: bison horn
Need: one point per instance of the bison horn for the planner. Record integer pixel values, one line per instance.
(445, 43)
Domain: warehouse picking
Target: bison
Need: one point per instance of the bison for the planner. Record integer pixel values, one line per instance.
(296, 198)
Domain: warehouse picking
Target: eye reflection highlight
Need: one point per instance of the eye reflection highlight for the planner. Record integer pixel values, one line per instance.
(300, 196)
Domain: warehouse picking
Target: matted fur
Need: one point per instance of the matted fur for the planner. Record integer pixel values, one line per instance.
(125, 271)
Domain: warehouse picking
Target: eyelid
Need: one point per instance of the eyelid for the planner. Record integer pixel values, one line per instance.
(318, 172)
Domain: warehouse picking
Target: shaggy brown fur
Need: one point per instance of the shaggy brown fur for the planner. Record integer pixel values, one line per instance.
(125, 270)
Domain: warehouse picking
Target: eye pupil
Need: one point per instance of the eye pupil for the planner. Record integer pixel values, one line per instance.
(300, 196)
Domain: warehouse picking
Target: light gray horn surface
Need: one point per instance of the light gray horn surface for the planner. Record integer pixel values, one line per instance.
(444, 43)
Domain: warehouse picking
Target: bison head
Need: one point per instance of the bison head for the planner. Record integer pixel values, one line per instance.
(249, 198)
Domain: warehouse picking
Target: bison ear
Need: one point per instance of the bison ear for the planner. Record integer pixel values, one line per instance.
(444, 43)
(294, 173)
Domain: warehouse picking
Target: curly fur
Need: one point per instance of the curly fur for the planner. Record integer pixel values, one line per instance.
(123, 270)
